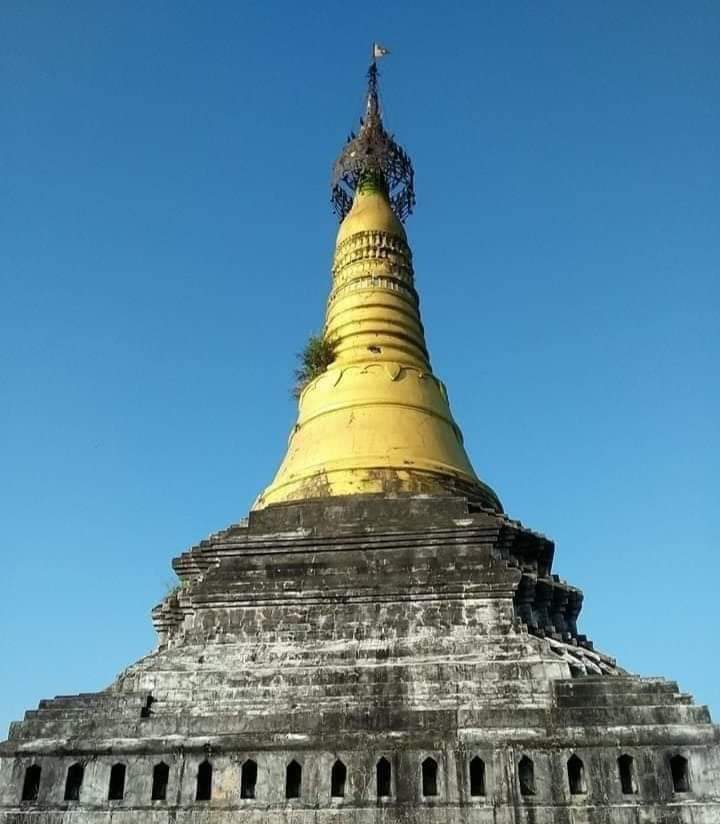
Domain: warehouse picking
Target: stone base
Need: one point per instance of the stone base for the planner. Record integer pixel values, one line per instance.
(424, 631)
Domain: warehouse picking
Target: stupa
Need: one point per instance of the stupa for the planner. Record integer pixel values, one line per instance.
(378, 641)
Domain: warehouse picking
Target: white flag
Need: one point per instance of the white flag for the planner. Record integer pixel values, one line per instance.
(379, 51)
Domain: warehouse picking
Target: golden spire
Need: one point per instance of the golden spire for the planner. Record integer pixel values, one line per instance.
(376, 420)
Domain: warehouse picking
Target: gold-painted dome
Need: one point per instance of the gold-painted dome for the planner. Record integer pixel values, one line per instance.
(376, 420)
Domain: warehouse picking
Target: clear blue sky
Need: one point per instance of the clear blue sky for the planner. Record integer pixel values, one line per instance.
(165, 243)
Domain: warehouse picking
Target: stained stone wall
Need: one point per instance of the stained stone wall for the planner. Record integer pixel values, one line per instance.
(360, 629)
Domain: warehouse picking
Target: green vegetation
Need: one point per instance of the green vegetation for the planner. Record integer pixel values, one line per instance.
(175, 587)
(314, 359)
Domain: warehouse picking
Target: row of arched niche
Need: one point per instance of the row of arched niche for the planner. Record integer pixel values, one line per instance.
(576, 776)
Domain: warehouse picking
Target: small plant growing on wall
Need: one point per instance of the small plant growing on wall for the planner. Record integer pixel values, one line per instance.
(175, 587)
(314, 359)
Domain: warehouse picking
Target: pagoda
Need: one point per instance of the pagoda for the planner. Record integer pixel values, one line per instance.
(378, 641)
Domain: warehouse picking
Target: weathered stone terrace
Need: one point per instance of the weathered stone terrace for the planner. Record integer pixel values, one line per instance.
(360, 630)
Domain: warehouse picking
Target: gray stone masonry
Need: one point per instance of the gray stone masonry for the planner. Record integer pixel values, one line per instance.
(427, 632)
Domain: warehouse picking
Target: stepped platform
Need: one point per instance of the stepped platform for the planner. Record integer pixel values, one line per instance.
(428, 634)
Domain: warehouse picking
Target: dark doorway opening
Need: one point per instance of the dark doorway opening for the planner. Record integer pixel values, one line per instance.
(576, 775)
(429, 777)
(526, 776)
(383, 775)
(337, 780)
(293, 780)
(31, 784)
(679, 771)
(161, 774)
(73, 782)
(204, 782)
(248, 779)
(116, 790)
(477, 776)
(626, 771)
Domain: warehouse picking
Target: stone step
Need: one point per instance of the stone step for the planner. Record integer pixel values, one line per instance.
(332, 718)
(238, 702)
(624, 699)
(120, 712)
(635, 716)
(261, 667)
(397, 684)
(217, 710)
(615, 684)
(248, 702)
(252, 544)
(93, 700)
(456, 656)
(260, 722)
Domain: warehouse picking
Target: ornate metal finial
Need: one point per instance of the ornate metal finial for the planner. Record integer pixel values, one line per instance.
(373, 153)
